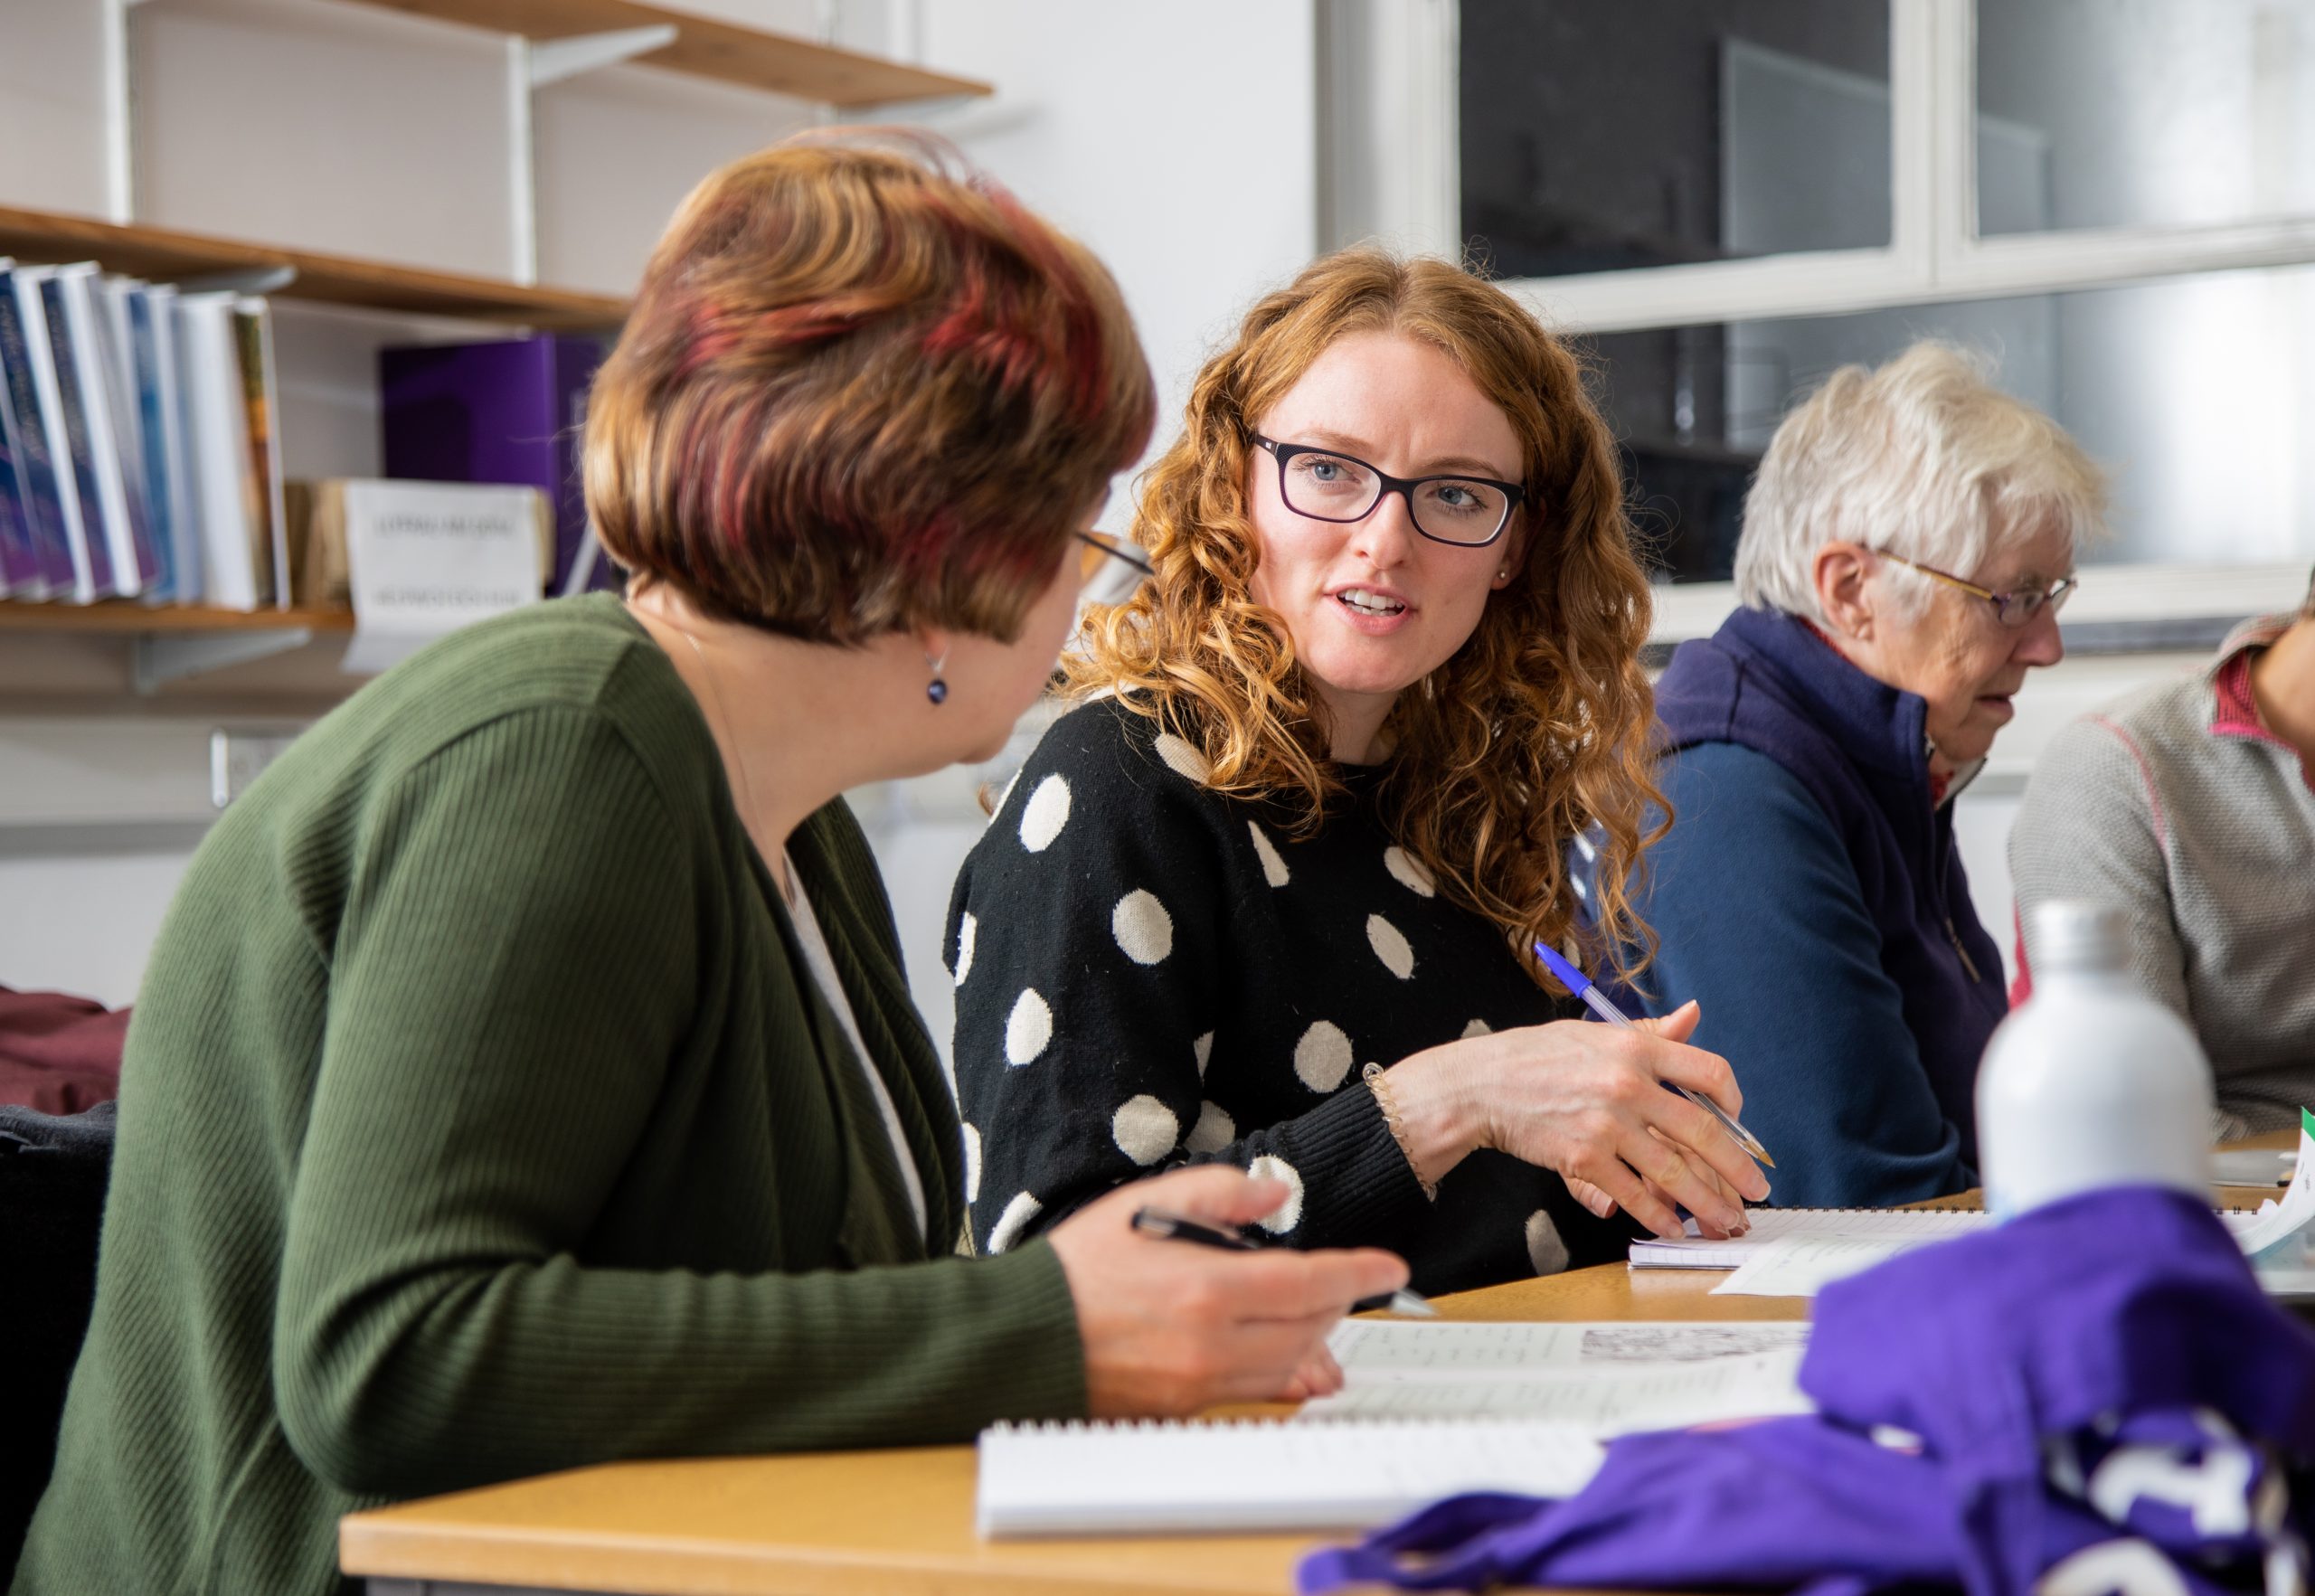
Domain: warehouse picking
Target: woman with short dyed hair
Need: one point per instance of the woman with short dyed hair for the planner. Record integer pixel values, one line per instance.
(1268, 894)
(1907, 545)
(526, 1077)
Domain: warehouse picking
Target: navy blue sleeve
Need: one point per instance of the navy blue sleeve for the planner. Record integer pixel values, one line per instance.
(1763, 921)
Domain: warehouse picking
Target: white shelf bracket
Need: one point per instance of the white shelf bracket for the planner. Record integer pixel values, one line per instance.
(554, 61)
(158, 658)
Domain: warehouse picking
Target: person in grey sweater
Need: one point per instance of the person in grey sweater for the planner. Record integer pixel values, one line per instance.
(2190, 806)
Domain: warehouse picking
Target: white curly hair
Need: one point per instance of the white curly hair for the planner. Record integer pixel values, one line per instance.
(1924, 459)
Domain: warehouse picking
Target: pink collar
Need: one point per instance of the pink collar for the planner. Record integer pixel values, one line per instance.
(2234, 710)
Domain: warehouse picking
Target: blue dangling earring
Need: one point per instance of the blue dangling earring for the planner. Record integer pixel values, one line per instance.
(936, 690)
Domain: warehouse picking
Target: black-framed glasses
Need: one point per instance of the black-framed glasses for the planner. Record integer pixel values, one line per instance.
(1094, 561)
(1327, 484)
(2012, 608)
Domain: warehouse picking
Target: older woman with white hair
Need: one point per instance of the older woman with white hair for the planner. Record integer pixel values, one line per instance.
(1907, 547)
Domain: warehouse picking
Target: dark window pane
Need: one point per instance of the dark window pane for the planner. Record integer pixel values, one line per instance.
(1602, 135)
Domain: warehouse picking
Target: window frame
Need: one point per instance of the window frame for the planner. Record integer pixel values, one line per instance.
(1391, 130)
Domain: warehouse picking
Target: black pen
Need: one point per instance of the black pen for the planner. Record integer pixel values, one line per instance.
(1175, 1227)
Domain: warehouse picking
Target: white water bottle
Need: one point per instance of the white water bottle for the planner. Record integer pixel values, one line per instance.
(2089, 1082)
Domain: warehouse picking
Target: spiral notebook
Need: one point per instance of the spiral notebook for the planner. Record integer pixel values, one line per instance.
(1238, 1476)
(1903, 1226)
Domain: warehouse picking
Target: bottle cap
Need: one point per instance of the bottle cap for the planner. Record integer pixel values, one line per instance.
(2075, 936)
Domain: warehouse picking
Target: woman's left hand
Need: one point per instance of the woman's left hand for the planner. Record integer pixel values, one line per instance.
(1678, 1026)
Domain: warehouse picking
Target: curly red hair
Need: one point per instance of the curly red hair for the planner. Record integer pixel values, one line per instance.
(1535, 732)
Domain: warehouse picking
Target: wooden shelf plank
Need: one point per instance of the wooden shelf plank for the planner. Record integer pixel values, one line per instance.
(706, 47)
(127, 618)
(333, 280)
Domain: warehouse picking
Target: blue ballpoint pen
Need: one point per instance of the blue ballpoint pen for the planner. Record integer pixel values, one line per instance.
(1581, 985)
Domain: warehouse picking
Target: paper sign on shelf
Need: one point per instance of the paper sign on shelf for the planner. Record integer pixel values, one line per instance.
(426, 558)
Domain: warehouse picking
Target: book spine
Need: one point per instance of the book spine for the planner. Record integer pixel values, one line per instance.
(139, 341)
(95, 541)
(168, 379)
(20, 575)
(44, 516)
(113, 442)
(217, 446)
(64, 499)
(253, 343)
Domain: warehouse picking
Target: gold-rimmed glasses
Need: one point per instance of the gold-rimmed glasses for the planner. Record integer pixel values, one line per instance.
(2013, 609)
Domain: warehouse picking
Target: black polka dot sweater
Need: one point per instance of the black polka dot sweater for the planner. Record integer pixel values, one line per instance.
(1149, 974)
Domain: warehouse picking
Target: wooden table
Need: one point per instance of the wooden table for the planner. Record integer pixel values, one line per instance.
(878, 1524)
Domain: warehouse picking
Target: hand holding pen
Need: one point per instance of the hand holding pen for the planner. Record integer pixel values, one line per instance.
(1581, 986)
(1675, 1027)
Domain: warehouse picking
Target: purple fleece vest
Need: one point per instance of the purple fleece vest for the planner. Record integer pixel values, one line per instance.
(2094, 1397)
(1765, 681)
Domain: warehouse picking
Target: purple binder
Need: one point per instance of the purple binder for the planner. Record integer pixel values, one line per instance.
(510, 411)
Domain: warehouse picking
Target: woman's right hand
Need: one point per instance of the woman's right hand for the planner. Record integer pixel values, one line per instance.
(1589, 1101)
(1170, 1329)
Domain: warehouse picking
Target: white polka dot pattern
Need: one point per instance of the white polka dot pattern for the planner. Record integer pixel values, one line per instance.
(1182, 759)
(1546, 1250)
(1202, 1050)
(1045, 813)
(1142, 927)
(1322, 1058)
(1410, 871)
(1213, 1132)
(1028, 1029)
(972, 1164)
(1390, 946)
(1145, 1129)
(1273, 867)
(967, 929)
(1010, 1224)
(1269, 1167)
(1478, 1028)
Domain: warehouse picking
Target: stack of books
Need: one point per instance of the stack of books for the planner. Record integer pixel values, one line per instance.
(139, 452)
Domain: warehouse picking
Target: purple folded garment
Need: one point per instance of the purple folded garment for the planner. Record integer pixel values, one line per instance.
(2094, 1397)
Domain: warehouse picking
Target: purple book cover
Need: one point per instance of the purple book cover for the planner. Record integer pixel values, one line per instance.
(43, 509)
(510, 411)
(20, 567)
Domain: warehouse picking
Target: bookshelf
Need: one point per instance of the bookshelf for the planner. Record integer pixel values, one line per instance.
(547, 41)
(120, 617)
(170, 255)
(702, 47)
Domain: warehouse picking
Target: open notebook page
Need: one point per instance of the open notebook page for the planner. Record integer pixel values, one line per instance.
(1435, 1349)
(1599, 1399)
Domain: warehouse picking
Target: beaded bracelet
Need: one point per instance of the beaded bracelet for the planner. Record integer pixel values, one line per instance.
(1373, 1076)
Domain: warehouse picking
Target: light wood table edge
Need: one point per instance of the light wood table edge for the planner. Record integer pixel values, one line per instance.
(469, 1538)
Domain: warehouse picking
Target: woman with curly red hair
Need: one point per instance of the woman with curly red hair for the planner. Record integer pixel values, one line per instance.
(1268, 894)
(526, 1077)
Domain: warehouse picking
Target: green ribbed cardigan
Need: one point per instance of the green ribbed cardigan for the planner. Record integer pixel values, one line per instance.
(480, 1118)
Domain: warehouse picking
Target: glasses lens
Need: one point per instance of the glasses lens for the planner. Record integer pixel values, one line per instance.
(2016, 608)
(1108, 570)
(1092, 559)
(1328, 487)
(1459, 511)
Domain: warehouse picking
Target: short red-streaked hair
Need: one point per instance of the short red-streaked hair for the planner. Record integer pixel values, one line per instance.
(862, 390)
